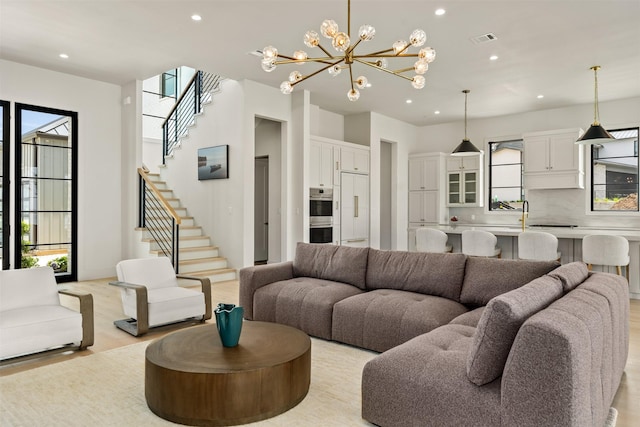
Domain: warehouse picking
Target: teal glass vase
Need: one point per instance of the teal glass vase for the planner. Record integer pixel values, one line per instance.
(229, 323)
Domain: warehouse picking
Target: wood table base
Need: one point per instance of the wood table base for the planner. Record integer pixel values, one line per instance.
(190, 378)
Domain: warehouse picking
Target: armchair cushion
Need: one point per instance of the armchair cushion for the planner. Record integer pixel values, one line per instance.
(166, 305)
(28, 288)
(154, 273)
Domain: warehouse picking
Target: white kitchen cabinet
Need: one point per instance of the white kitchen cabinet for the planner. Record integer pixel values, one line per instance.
(354, 209)
(424, 172)
(423, 207)
(354, 159)
(552, 159)
(464, 181)
(321, 165)
(458, 163)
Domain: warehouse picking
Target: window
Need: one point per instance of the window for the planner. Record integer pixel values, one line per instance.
(169, 84)
(505, 175)
(614, 173)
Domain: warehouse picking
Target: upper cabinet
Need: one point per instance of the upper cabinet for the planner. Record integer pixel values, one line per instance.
(464, 181)
(321, 165)
(328, 158)
(424, 173)
(552, 159)
(354, 159)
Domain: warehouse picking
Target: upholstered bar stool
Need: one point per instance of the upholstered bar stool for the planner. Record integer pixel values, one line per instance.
(601, 249)
(431, 240)
(538, 245)
(480, 243)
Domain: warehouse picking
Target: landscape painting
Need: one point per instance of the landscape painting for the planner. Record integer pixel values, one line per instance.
(213, 162)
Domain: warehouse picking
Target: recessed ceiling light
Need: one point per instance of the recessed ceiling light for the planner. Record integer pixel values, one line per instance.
(540, 96)
(493, 57)
(436, 112)
(64, 56)
(368, 85)
(196, 17)
(408, 101)
(440, 12)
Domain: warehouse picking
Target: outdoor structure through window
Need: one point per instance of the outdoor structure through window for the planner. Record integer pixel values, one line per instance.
(614, 172)
(505, 175)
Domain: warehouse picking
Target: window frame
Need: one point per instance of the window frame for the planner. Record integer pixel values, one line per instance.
(490, 165)
(590, 203)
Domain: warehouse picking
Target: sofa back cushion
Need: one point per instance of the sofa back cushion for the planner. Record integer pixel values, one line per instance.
(338, 263)
(28, 288)
(426, 273)
(499, 325)
(571, 275)
(486, 278)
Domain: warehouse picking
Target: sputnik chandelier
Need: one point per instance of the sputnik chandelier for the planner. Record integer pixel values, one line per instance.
(346, 57)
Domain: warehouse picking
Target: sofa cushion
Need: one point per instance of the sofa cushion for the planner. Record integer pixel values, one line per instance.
(302, 302)
(485, 278)
(384, 318)
(339, 263)
(571, 275)
(425, 273)
(500, 323)
(423, 382)
(470, 318)
(37, 328)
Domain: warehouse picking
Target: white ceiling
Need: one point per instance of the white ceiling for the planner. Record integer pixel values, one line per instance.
(544, 47)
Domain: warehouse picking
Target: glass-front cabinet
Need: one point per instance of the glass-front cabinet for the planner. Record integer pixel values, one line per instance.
(464, 181)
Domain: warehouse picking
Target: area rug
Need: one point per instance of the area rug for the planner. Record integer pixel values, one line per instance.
(107, 389)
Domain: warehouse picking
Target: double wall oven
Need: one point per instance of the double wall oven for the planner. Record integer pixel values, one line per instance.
(320, 215)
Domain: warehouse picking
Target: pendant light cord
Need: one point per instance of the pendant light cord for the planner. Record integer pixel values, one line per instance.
(596, 112)
(466, 91)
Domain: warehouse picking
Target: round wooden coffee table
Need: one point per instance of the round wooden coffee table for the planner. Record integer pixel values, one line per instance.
(190, 378)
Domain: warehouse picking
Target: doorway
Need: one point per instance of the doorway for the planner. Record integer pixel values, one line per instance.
(261, 211)
(46, 189)
(4, 171)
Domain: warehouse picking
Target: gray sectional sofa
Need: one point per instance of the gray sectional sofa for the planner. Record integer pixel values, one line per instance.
(464, 340)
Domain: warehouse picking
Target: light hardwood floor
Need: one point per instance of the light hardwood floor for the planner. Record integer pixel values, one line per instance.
(108, 307)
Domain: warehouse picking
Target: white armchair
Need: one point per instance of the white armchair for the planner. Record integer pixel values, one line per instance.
(151, 295)
(31, 316)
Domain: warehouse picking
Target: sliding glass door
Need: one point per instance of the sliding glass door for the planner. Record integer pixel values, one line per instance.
(46, 189)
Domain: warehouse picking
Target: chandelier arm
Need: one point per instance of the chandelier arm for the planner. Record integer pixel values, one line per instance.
(298, 61)
(392, 55)
(404, 70)
(405, 48)
(325, 51)
(383, 69)
(349, 18)
(317, 72)
(352, 47)
(351, 76)
(379, 52)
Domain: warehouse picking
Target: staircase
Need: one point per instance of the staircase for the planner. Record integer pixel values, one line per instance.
(197, 257)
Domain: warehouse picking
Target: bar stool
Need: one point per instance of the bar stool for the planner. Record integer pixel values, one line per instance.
(601, 249)
(538, 245)
(480, 243)
(431, 240)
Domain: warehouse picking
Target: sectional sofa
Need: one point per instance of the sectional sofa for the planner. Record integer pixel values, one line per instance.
(464, 340)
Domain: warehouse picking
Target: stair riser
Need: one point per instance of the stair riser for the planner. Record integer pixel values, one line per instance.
(185, 256)
(215, 278)
(184, 232)
(207, 265)
(179, 211)
(186, 243)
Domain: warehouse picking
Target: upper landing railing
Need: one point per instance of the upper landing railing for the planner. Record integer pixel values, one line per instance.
(196, 93)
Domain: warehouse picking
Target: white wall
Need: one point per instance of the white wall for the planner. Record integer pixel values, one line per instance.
(99, 108)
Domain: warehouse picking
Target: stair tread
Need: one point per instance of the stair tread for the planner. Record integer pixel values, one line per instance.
(149, 239)
(201, 260)
(199, 248)
(211, 272)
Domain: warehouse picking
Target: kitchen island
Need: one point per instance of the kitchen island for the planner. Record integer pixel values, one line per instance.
(569, 243)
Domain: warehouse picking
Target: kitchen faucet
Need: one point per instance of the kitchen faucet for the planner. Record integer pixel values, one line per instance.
(525, 213)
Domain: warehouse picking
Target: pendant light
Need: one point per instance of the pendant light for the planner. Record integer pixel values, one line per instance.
(596, 134)
(465, 148)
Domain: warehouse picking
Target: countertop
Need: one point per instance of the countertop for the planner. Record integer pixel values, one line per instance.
(630, 234)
